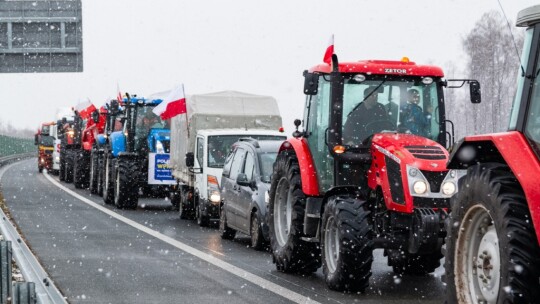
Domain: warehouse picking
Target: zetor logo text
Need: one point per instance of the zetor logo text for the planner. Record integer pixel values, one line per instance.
(398, 71)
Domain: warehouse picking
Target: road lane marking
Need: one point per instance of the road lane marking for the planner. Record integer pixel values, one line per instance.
(265, 284)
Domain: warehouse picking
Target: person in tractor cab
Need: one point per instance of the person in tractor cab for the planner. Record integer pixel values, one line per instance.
(413, 117)
(362, 120)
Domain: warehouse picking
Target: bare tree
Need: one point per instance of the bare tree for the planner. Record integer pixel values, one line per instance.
(493, 61)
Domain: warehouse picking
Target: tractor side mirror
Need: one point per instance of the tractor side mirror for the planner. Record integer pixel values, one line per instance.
(190, 160)
(36, 139)
(64, 120)
(114, 107)
(95, 116)
(474, 89)
(311, 83)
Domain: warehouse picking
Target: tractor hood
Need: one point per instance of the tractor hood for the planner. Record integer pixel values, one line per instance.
(413, 150)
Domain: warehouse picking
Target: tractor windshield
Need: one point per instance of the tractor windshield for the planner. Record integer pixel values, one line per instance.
(146, 120)
(404, 105)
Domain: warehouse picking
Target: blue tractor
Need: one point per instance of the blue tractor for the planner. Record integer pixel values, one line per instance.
(136, 158)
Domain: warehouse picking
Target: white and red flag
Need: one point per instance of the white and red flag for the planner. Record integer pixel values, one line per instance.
(174, 104)
(85, 109)
(329, 51)
(118, 94)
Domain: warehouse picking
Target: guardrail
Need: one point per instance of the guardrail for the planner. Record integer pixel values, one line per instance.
(14, 145)
(32, 271)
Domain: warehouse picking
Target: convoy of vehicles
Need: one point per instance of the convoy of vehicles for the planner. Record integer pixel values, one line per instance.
(200, 144)
(493, 241)
(344, 185)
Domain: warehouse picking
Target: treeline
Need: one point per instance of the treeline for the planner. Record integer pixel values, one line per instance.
(492, 58)
(8, 129)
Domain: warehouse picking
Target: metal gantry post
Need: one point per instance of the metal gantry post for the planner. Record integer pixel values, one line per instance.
(5, 271)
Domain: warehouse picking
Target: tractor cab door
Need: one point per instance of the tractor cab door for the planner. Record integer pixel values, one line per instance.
(316, 118)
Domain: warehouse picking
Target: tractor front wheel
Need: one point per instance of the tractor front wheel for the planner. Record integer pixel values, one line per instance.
(347, 244)
(126, 185)
(286, 219)
(93, 172)
(492, 253)
(108, 181)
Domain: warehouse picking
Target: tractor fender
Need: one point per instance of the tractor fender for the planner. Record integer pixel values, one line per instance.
(308, 174)
(510, 148)
(118, 143)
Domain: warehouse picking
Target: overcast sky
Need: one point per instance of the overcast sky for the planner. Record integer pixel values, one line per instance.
(259, 47)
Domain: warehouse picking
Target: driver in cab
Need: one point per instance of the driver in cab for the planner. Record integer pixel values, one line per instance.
(360, 123)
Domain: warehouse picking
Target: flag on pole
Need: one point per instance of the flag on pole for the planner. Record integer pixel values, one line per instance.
(174, 104)
(119, 94)
(85, 109)
(329, 51)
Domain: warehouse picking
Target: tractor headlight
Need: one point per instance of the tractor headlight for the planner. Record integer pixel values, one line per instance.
(420, 187)
(448, 188)
(159, 147)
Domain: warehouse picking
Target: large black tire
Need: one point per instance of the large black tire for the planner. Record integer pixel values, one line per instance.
(93, 179)
(226, 232)
(290, 252)
(80, 169)
(68, 166)
(99, 172)
(490, 221)
(61, 171)
(108, 179)
(202, 220)
(174, 197)
(256, 234)
(185, 207)
(346, 244)
(126, 184)
(417, 264)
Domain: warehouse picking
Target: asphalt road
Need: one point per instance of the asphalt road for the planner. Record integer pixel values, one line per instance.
(96, 257)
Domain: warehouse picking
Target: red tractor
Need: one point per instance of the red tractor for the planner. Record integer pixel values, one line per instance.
(492, 247)
(368, 171)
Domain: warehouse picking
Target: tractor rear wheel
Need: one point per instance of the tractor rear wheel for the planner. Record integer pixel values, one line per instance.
(108, 182)
(492, 253)
(347, 244)
(286, 219)
(126, 185)
(93, 172)
(68, 167)
(80, 169)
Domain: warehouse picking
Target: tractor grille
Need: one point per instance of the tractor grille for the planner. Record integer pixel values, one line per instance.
(426, 152)
(435, 179)
(395, 180)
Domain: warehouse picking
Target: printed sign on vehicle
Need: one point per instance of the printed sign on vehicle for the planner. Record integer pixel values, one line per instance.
(159, 169)
(398, 71)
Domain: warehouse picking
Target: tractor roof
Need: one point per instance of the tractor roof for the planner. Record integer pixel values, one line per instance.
(529, 16)
(383, 67)
(142, 100)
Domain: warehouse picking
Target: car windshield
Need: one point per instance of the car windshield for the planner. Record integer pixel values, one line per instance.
(266, 163)
(404, 105)
(219, 146)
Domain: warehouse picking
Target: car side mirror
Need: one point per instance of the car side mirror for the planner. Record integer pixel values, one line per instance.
(311, 83)
(242, 180)
(474, 89)
(190, 160)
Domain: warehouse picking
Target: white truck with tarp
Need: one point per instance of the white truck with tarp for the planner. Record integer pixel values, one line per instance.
(202, 138)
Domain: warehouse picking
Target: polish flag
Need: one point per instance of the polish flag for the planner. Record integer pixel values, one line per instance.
(119, 94)
(329, 51)
(174, 104)
(85, 109)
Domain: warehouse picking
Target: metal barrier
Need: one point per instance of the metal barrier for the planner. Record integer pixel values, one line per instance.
(5, 271)
(13, 145)
(24, 293)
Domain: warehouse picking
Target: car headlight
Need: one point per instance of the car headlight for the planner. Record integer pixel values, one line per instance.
(159, 147)
(448, 188)
(214, 196)
(420, 187)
